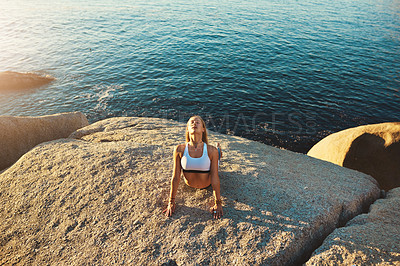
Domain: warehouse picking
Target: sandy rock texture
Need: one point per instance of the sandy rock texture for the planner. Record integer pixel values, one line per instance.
(12, 81)
(98, 199)
(19, 134)
(368, 239)
(371, 149)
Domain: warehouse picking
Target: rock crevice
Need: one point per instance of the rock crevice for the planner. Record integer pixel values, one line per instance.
(371, 238)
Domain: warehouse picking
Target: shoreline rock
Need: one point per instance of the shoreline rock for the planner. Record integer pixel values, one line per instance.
(14, 81)
(19, 134)
(371, 149)
(98, 199)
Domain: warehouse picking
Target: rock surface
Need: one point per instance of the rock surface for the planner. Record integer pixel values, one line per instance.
(12, 81)
(20, 134)
(98, 199)
(368, 239)
(371, 149)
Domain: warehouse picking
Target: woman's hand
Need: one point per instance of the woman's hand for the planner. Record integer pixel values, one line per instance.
(170, 209)
(217, 211)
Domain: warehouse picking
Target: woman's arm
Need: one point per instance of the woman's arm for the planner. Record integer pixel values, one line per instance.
(215, 183)
(176, 177)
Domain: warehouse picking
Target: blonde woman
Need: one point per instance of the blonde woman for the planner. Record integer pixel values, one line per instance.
(198, 161)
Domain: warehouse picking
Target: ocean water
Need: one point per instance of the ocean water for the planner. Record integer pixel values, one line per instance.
(286, 73)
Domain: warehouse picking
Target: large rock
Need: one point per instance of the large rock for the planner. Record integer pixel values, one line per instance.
(371, 149)
(20, 134)
(99, 200)
(12, 81)
(368, 239)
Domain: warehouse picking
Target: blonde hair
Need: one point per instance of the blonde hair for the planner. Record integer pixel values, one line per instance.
(204, 137)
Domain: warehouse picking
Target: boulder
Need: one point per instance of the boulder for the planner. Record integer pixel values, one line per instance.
(12, 81)
(371, 149)
(98, 199)
(20, 134)
(368, 239)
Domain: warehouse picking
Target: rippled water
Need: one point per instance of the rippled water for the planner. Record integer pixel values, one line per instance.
(286, 73)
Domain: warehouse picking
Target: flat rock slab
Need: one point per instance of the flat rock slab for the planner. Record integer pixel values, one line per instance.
(368, 239)
(99, 199)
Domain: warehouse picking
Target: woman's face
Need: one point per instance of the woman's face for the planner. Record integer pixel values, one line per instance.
(195, 125)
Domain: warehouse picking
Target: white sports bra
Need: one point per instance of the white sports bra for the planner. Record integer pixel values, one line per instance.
(196, 165)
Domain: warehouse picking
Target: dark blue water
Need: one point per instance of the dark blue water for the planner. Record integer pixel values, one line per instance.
(286, 73)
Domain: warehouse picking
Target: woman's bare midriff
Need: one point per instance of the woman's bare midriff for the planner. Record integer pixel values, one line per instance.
(197, 180)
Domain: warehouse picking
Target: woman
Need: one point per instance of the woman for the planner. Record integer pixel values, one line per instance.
(199, 163)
